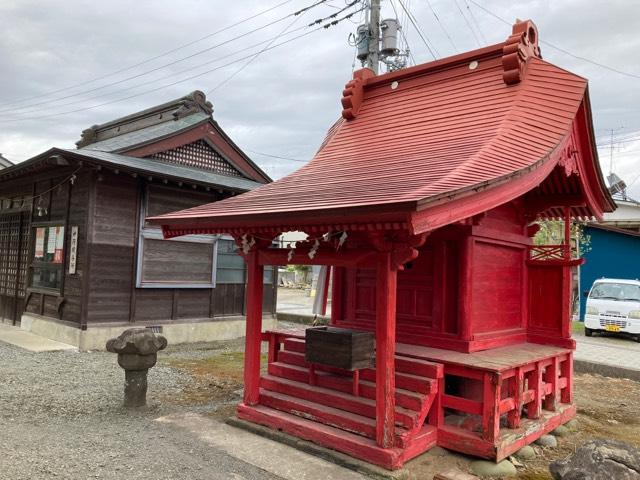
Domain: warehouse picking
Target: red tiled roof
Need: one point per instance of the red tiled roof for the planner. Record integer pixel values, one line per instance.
(419, 134)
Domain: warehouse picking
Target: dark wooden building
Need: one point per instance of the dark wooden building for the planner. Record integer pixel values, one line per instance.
(78, 262)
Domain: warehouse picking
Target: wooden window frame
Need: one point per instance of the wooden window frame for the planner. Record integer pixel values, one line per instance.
(155, 233)
(47, 265)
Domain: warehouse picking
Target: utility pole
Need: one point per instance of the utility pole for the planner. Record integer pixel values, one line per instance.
(373, 59)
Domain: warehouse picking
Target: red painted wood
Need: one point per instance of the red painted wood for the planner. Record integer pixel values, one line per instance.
(534, 407)
(406, 381)
(515, 392)
(337, 294)
(324, 256)
(466, 279)
(492, 384)
(403, 398)
(425, 439)
(386, 285)
(325, 435)
(566, 395)
(320, 413)
(463, 404)
(253, 338)
(460, 440)
(552, 380)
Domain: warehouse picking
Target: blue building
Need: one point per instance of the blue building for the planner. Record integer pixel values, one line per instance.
(614, 253)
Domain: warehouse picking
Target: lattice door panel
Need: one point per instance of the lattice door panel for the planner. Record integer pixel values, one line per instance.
(198, 154)
(14, 238)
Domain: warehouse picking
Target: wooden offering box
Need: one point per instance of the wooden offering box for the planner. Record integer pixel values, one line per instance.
(340, 348)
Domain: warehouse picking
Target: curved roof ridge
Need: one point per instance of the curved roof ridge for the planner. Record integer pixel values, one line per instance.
(503, 131)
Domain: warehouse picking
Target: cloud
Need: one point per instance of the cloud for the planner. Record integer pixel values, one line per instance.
(283, 102)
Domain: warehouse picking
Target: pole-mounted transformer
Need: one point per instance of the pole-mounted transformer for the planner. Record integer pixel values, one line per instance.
(377, 41)
(362, 42)
(389, 38)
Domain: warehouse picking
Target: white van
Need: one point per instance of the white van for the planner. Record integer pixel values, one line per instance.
(613, 305)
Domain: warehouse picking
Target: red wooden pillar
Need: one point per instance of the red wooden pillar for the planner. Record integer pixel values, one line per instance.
(567, 277)
(386, 283)
(566, 395)
(534, 408)
(552, 377)
(337, 294)
(253, 338)
(515, 391)
(492, 386)
(466, 279)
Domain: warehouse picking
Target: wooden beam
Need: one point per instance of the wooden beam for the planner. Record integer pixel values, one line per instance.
(341, 258)
(535, 205)
(253, 338)
(386, 286)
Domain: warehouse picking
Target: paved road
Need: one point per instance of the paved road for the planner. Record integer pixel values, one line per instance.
(609, 350)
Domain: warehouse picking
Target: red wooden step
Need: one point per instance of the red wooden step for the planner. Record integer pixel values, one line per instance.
(406, 381)
(294, 345)
(414, 366)
(404, 398)
(419, 367)
(330, 437)
(324, 396)
(334, 417)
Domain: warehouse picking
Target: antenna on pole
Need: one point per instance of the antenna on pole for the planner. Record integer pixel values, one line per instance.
(612, 131)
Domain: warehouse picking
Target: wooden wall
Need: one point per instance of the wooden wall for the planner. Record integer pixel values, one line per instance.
(66, 205)
(433, 302)
(113, 296)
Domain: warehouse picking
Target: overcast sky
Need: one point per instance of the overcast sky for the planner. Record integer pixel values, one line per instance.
(282, 102)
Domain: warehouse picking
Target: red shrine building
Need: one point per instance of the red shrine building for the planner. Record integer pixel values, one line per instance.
(423, 201)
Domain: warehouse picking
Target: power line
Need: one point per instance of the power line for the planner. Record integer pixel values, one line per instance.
(475, 21)
(163, 54)
(323, 27)
(420, 33)
(468, 24)
(248, 62)
(566, 52)
(617, 142)
(433, 11)
(276, 156)
(318, 21)
(171, 75)
(404, 36)
(174, 62)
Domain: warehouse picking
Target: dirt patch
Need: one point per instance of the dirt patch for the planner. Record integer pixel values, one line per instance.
(216, 380)
(608, 408)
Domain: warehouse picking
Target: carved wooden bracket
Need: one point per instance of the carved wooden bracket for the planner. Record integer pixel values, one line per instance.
(568, 161)
(402, 250)
(521, 45)
(353, 93)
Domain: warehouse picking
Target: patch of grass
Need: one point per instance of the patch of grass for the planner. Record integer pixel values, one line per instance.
(578, 327)
(216, 378)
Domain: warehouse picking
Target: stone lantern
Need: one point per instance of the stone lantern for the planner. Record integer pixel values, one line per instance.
(137, 350)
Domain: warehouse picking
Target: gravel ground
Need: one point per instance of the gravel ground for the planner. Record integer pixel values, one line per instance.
(61, 418)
